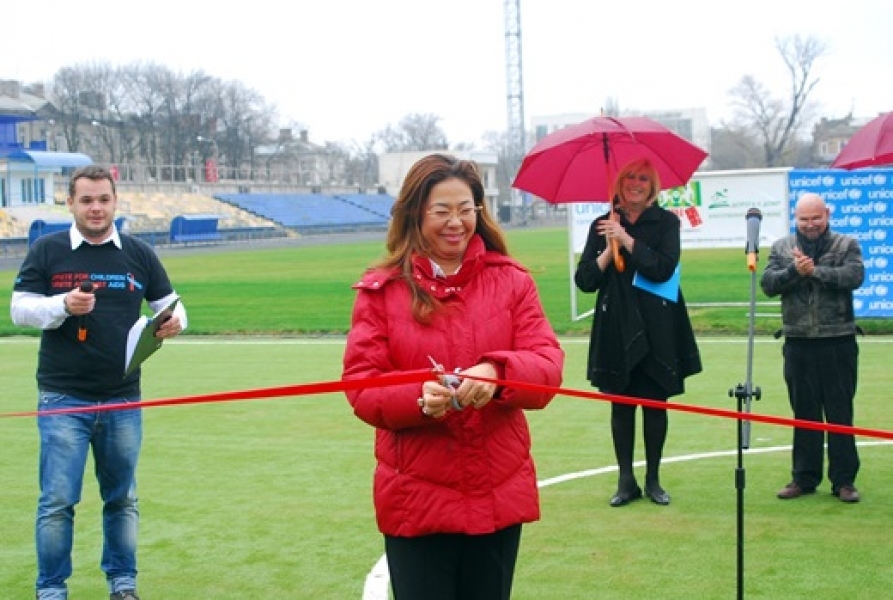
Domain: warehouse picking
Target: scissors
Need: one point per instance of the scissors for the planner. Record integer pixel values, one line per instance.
(449, 380)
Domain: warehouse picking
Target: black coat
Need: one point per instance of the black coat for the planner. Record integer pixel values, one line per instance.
(632, 327)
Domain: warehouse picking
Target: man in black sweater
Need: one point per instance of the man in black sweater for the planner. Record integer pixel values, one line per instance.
(85, 288)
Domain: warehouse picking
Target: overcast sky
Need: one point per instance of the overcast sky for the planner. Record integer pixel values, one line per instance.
(349, 68)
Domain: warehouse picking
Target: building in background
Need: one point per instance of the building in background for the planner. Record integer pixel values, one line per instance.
(28, 167)
(299, 161)
(393, 166)
(829, 136)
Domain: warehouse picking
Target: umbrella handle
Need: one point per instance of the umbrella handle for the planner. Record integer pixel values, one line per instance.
(619, 263)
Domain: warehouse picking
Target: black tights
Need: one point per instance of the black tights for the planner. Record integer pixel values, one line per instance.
(623, 431)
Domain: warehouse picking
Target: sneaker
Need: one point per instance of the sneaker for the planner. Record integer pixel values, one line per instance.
(793, 490)
(124, 595)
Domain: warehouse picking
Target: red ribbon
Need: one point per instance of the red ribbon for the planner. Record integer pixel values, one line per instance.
(713, 412)
(306, 389)
(423, 375)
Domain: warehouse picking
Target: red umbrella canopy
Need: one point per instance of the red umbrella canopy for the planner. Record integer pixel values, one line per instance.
(578, 163)
(871, 146)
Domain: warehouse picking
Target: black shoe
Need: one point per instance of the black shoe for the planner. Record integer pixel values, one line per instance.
(622, 497)
(657, 494)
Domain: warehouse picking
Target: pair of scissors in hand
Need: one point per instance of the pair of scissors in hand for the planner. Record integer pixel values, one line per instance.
(450, 380)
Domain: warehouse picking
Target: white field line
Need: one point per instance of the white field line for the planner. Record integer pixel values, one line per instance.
(378, 579)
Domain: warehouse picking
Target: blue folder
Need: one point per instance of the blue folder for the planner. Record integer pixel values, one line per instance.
(668, 289)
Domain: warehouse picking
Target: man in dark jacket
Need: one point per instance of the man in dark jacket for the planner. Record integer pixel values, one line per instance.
(815, 271)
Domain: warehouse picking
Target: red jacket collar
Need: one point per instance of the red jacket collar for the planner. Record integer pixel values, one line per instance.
(475, 259)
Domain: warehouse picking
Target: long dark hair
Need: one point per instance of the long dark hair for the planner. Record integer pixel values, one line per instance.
(405, 230)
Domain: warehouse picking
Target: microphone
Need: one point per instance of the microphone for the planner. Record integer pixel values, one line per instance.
(87, 288)
(754, 216)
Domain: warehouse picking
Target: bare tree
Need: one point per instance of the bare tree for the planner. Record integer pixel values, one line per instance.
(734, 148)
(776, 122)
(499, 142)
(243, 122)
(139, 132)
(70, 93)
(164, 117)
(361, 163)
(414, 132)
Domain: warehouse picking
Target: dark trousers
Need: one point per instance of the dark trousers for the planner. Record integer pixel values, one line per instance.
(450, 566)
(623, 430)
(821, 376)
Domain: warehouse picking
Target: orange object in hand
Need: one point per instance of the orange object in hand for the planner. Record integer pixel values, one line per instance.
(619, 263)
(86, 287)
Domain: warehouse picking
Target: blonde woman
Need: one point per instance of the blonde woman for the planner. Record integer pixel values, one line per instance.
(642, 344)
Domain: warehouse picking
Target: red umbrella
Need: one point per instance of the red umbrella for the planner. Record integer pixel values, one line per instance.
(871, 146)
(579, 163)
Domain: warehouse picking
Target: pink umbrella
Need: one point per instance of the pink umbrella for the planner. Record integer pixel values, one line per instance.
(579, 163)
(871, 146)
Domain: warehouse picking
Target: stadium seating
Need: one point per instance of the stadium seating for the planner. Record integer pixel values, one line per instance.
(316, 212)
(155, 216)
(379, 204)
(41, 227)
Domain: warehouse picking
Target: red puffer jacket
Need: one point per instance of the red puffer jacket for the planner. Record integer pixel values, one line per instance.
(470, 472)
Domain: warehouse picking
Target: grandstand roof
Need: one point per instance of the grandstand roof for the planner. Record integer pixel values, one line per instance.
(16, 118)
(50, 159)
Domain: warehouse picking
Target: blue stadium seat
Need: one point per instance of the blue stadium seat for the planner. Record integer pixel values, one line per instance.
(315, 212)
(195, 228)
(40, 227)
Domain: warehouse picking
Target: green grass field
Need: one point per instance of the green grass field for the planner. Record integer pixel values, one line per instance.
(306, 289)
(272, 498)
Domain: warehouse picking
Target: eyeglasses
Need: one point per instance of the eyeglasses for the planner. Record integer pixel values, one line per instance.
(443, 215)
(641, 177)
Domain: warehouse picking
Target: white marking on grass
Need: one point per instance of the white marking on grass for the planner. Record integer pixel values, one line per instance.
(378, 580)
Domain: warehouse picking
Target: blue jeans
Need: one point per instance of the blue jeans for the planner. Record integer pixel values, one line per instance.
(115, 437)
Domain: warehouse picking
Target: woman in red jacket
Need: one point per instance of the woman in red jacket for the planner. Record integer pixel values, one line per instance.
(455, 478)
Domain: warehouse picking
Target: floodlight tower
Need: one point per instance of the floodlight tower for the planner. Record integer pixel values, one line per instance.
(517, 145)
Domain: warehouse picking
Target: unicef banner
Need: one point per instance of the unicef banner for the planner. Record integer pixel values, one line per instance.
(861, 204)
(581, 215)
(711, 209)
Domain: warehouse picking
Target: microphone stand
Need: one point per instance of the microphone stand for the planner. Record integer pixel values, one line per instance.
(744, 393)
